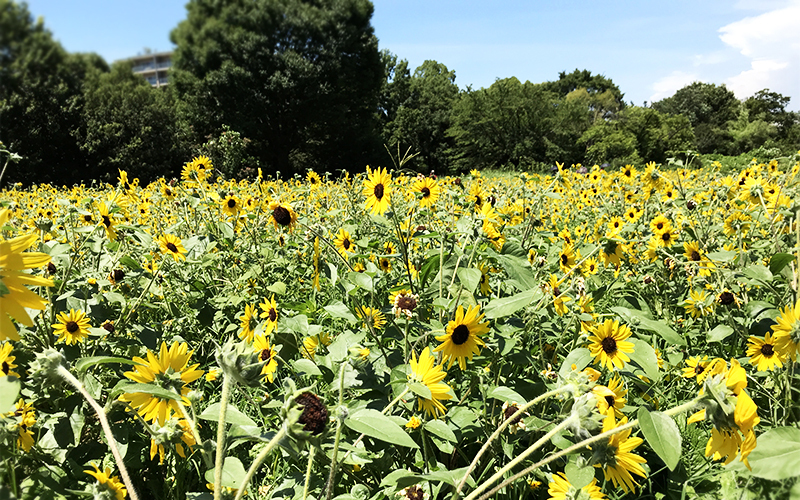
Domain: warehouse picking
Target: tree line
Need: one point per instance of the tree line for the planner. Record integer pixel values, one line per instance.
(292, 85)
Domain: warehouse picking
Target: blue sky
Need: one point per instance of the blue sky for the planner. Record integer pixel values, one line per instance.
(649, 49)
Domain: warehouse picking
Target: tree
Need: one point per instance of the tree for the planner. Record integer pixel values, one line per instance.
(299, 78)
(40, 98)
(603, 91)
(422, 119)
(129, 125)
(709, 109)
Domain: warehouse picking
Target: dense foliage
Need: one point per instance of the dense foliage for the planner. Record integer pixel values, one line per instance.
(623, 333)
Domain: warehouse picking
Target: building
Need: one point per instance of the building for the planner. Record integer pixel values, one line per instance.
(153, 67)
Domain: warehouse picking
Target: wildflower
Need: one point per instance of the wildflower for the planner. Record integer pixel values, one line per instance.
(170, 370)
(561, 489)
(172, 245)
(71, 328)
(311, 343)
(484, 282)
(313, 179)
(270, 312)
(608, 345)
(283, 216)
(428, 189)
(266, 354)
(699, 303)
(787, 331)
(510, 408)
(403, 302)
(315, 415)
(343, 243)
(25, 417)
(413, 423)
(7, 361)
(567, 258)
(248, 323)
(14, 295)
(559, 300)
(107, 486)
(377, 189)
(412, 493)
(763, 353)
(231, 205)
(176, 432)
(611, 399)
(462, 336)
(697, 368)
(371, 316)
(427, 373)
(616, 458)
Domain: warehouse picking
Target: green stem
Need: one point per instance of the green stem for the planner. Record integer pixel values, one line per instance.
(311, 452)
(220, 458)
(259, 460)
(195, 434)
(101, 415)
(339, 421)
(520, 411)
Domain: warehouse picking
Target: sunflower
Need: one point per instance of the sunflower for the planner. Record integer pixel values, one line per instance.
(203, 166)
(427, 373)
(171, 371)
(612, 252)
(699, 303)
(427, 190)
(14, 295)
(697, 368)
(266, 355)
(371, 316)
(107, 219)
(311, 343)
(561, 489)
(484, 281)
(763, 353)
(25, 417)
(559, 300)
(71, 328)
(462, 336)
(616, 458)
(667, 238)
(283, 216)
(270, 312)
(589, 266)
(248, 323)
(660, 224)
(567, 257)
(344, 243)
(7, 361)
(313, 179)
(787, 331)
(608, 345)
(378, 190)
(172, 245)
(615, 226)
(611, 399)
(108, 486)
(385, 264)
(231, 205)
(172, 428)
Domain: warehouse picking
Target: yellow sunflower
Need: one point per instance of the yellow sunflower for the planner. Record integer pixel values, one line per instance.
(620, 462)
(344, 243)
(231, 205)
(7, 361)
(427, 190)
(270, 312)
(266, 355)
(169, 370)
(248, 323)
(14, 295)
(283, 216)
(561, 489)
(172, 245)
(610, 399)
(660, 224)
(608, 345)
(462, 336)
(377, 189)
(427, 373)
(699, 303)
(698, 368)
(371, 316)
(313, 179)
(763, 353)
(108, 486)
(25, 418)
(484, 282)
(787, 331)
(71, 328)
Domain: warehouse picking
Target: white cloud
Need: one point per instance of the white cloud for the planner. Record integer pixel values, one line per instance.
(668, 85)
(771, 41)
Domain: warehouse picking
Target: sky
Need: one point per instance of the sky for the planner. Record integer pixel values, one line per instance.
(649, 49)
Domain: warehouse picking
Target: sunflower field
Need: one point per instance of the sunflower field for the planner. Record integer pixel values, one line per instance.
(586, 334)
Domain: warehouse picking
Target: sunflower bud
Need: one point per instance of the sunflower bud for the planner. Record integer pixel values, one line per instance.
(44, 368)
(239, 361)
(585, 419)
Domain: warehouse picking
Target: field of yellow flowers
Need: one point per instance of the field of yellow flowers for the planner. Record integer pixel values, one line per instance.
(587, 334)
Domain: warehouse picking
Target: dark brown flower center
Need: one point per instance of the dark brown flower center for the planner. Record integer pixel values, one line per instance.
(315, 415)
(660, 226)
(510, 411)
(273, 314)
(666, 237)
(378, 191)
(106, 221)
(346, 243)
(282, 216)
(460, 334)
(118, 274)
(414, 493)
(426, 192)
(72, 326)
(231, 203)
(564, 259)
(726, 298)
(406, 302)
(87, 218)
(609, 345)
(108, 326)
(171, 247)
(266, 355)
(610, 401)
(767, 350)
(699, 369)
(695, 255)
(6, 368)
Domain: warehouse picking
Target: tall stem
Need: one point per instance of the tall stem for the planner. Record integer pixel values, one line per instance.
(339, 421)
(220, 458)
(101, 415)
(311, 452)
(259, 460)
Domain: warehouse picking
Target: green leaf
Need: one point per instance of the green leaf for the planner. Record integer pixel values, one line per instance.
(500, 308)
(130, 263)
(9, 390)
(439, 428)
(723, 256)
(152, 389)
(758, 272)
(232, 416)
(662, 434)
(420, 390)
(232, 473)
(278, 287)
(85, 363)
(469, 277)
(519, 269)
(638, 319)
(306, 366)
(779, 261)
(451, 477)
(340, 348)
(333, 273)
(361, 280)
(377, 425)
(580, 357)
(777, 454)
(719, 333)
(644, 356)
(579, 476)
(339, 310)
(505, 394)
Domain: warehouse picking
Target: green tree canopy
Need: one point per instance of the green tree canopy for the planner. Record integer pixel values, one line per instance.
(299, 78)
